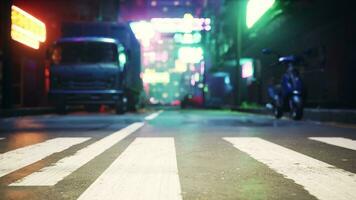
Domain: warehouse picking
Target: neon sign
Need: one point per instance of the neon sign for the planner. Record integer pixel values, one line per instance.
(190, 54)
(256, 9)
(187, 24)
(247, 67)
(27, 29)
(187, 38)
(152, 77)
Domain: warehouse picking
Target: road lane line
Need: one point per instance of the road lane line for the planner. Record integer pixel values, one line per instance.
(146, 170)
(337, 141)
(51, 175)
(153, 116)
(19, 158)
(324, 181)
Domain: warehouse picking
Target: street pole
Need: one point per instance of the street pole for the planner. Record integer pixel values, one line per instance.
(240, 20)
(5, 24)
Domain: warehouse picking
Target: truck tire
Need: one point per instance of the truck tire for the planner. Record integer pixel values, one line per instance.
(132, 104)
(61, 109)
(121, 106)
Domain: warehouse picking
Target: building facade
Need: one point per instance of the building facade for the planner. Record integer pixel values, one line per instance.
(23, 76)
(322, 31)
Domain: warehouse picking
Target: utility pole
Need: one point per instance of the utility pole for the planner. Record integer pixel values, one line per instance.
(240, 20)
(5, 54)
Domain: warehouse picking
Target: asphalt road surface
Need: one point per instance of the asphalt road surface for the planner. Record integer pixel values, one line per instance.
(174, 155)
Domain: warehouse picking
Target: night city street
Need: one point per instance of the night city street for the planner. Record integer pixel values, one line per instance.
(175, 154)
(177, 100)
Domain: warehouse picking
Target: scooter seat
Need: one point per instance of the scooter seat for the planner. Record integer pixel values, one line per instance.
(287, 59)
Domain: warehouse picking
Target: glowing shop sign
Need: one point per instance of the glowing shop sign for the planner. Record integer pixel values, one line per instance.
(256, 9)
(187, 24)
(247, 67)
(152, 77)
(187, 38)
(190, 54)
(26, 29)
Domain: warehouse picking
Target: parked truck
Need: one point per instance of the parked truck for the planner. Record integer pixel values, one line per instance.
(95, 64)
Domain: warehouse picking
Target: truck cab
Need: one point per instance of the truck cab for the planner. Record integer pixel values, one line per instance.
(88, 71)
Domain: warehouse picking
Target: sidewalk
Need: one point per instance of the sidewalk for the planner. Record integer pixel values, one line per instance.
(322, 115)
(25, 111)
(314, 114)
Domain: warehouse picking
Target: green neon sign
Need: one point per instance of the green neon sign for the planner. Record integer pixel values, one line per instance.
(256, 9)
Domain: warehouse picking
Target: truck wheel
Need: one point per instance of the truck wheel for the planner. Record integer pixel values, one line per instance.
(121, 106)
(132, 105)
(61, 109)
(277, 112)
(133, 100)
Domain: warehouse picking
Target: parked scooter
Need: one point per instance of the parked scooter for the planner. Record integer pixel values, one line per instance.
(288, 95)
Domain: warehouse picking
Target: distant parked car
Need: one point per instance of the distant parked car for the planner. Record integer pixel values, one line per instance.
(192, 101)
(176, 103)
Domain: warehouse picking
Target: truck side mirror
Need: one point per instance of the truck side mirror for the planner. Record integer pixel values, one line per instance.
(128, 53)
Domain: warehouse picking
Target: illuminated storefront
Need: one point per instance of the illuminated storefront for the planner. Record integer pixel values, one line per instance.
(25, 57)
(173, 56)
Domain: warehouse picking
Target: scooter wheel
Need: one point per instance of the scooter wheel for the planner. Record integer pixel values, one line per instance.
(296, 108)
(297, 113)
(121, 106)
(278, 113)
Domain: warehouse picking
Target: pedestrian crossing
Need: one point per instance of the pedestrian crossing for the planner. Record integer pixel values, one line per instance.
(153, 115)
(19, 158)
(148, 167)
(322, 180)
(51, 175)
(337, 141)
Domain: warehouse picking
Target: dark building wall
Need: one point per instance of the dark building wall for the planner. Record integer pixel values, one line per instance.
(5, 61)
(325, 27)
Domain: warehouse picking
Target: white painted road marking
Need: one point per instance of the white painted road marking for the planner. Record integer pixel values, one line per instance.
(337, 141)
(1, 138)
(324, 181)
(146, 170)
(51, 175)
(152, 116)
(19, 158)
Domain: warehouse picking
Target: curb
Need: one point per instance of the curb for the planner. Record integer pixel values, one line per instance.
(321, 115)
(25, 112)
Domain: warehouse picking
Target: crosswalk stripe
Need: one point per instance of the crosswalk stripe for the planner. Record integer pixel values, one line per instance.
(1, 138)
(153, 116)
(51, 175)
(324, 181)
(337, 141)
(19, 158)
(146, 170)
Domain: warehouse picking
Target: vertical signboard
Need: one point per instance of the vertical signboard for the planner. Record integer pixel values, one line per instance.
(247, 68)
(26, 29)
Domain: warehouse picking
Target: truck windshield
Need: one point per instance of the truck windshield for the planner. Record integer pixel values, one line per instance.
(84, 52)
